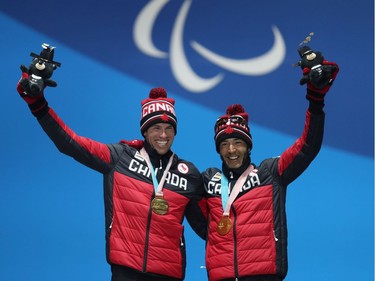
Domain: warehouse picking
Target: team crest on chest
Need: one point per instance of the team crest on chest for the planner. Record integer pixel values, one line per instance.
(183, 168)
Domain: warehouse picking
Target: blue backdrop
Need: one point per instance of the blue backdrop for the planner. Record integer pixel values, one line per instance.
(207, 54)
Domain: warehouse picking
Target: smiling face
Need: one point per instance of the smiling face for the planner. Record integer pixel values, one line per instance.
(233, 152)
(160, 136)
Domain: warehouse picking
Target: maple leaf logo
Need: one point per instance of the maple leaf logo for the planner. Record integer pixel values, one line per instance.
(228, 130)
(165, 117)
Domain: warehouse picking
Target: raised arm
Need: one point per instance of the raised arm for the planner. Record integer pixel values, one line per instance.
(31, 88)
(318, 75)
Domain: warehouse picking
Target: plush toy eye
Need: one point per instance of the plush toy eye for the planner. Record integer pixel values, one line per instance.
(40, 66)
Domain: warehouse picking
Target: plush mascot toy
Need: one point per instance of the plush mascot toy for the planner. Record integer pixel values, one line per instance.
(315, 68)
(317, 73)
(37, 76)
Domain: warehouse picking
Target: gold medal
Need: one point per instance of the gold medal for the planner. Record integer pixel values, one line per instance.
(224, 225)
(159, 205)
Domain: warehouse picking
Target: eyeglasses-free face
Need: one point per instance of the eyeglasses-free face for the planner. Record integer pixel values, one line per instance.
(233, 151)
(160, 136)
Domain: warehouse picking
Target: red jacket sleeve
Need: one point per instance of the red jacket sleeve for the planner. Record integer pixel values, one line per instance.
(91, 153)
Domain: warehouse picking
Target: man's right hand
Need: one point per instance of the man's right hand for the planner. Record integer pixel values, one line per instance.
(316, 89)
(24, 90)
(37, 104)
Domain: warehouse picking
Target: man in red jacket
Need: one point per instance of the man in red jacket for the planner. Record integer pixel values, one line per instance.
(147, 188)
(247, 231)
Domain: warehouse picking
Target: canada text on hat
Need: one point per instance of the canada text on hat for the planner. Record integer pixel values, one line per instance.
(158, 108)
(233, 125)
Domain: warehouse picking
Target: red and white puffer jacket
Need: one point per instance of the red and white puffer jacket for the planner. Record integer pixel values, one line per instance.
(257, 242)
(136, 237)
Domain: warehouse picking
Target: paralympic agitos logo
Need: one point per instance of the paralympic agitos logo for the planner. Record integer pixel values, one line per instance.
(181, 69)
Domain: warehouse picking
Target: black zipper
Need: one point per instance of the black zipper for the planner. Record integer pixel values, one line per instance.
(147, 239)
(235, 243)
(234, 236)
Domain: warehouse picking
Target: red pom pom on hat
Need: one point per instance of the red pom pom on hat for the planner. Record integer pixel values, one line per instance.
(235, 109)
(158, 93)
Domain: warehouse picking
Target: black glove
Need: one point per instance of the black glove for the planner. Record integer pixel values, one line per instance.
(37, 103)
(318, 73)
(319, 79)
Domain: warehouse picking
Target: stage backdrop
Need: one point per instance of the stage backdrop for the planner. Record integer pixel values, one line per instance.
(207, 54)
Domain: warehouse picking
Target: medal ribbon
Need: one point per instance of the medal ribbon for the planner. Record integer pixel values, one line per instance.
(157, 186)
(227, 203)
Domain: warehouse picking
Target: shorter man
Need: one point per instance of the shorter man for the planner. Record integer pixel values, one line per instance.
(247, 230)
